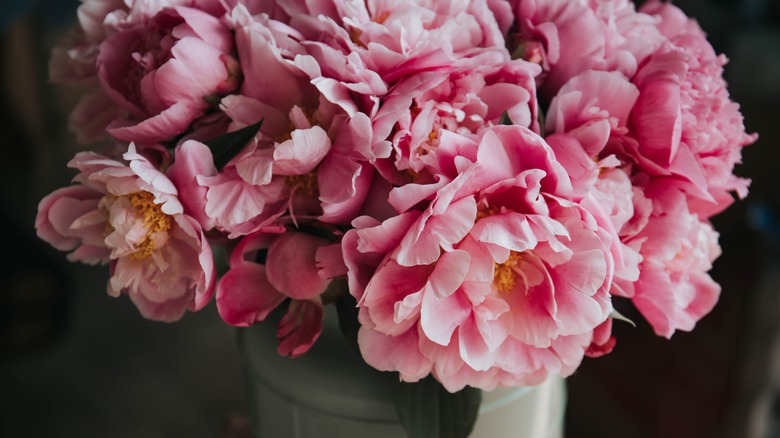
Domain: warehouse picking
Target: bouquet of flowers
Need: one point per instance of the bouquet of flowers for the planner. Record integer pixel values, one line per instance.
(475, 185)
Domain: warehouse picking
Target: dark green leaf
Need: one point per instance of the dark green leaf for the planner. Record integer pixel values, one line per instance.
(505, 120)
(427, 410)
(226, 146)
(346, 307)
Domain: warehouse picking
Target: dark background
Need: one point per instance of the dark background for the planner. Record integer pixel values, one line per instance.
(76, 363)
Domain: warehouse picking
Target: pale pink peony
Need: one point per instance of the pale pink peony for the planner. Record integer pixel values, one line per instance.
(590, 113)
(357, 52)
(684, 120)
(501, 280)
(57, 213)
(249, 291)
(130, 215)
(463, 99)
(674, 289)
(551, 33)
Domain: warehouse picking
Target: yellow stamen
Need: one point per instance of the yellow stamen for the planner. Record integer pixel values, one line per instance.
(504, 275)
(284, 137)
(305, 184)
(483, 210)
(154, 219)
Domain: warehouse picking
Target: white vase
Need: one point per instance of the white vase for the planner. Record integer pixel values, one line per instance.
(330, 392)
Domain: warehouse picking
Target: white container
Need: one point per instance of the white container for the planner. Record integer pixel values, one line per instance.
(329, 392)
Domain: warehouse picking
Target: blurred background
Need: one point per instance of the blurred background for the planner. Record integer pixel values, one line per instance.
(76, 363)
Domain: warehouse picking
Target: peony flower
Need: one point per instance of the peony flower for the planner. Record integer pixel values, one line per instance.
(310, 159)
(674, 289)
(250, 290)
(550, 33)
(685, 123)
(163, 70)
(130, 215)
(463, 99)
(481, 254)
(500, 280)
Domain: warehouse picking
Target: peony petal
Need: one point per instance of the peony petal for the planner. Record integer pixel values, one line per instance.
(244, 295)
(394, 353)
(291, 265)
(300, 327)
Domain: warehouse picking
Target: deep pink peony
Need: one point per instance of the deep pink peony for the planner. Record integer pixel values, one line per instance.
(129, 214)
(249, 291)
(500, 280)
(163, 70)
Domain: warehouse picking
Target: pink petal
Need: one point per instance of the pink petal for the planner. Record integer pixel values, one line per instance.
(300, 327)
(440, 231)
(394, 353)
(59, 210)
(192, 159)
(267, 77)
(302, 153)
(440, 316)
(161, 127)
(330, 261)
(193, 73)
(167, 311)
(244, 295)
(205, 27)
(291, 265)
(473, 348)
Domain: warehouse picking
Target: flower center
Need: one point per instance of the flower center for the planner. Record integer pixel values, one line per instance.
(431, 144)
(528, 49)
(505, 274)
(305, 184)
(154, 219)
(484, 210)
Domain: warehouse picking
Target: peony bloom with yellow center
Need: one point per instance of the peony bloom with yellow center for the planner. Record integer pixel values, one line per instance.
(501, 280)
(128, 214)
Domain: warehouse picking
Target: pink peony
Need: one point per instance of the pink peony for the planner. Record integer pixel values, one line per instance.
(684, 120)
(501, 280)
(478, 253)
(163, 70)
(357, 52)
(463, 100)
(310, 159)
(674, 290)
(249, 291)
(130, 215)
(550, 33)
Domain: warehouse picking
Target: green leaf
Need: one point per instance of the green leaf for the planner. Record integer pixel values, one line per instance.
(346, 307)
(505, 120)
(226, 146)
(427, 410)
